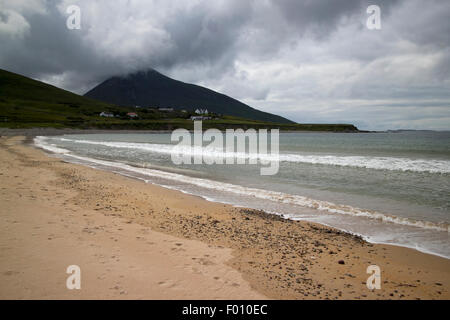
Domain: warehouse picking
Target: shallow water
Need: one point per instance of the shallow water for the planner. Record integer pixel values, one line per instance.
(388, 187)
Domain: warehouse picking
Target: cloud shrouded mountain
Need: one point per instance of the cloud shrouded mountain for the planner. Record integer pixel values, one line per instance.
(152, 89)
(309, 61)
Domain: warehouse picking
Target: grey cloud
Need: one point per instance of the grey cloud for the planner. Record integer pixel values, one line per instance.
(320, 18)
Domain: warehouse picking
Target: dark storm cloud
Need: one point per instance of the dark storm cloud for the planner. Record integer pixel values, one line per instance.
(49, 49)
(322, 17)
(203, 34)
(198, 34)
(310, 60)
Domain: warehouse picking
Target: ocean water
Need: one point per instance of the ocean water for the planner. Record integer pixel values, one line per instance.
(389, 188)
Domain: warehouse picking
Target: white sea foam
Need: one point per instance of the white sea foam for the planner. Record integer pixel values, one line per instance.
(367, 162)
(40, 142)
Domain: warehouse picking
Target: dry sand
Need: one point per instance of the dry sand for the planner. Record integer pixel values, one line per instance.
(134, 240)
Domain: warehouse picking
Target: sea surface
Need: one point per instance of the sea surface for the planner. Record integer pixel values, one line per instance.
(389, 187)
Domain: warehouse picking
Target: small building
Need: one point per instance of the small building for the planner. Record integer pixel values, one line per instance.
(106, 114)
(132, 114)
(201, 111)
(166, 109)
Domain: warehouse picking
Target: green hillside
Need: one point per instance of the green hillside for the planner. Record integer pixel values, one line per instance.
(27, 103)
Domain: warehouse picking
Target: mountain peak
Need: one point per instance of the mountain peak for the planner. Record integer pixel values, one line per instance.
(150, 88)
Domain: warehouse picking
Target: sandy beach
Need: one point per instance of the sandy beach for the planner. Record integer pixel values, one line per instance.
(134, 240)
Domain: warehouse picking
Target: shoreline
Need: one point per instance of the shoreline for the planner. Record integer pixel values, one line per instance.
(110, 167)
(277, 258)
(32, 132)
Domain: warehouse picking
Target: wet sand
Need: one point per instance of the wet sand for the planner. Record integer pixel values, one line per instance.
(134, 240)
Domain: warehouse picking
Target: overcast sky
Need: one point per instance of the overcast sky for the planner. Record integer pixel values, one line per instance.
(310, 61)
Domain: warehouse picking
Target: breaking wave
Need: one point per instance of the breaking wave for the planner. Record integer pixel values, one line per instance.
(366, 162)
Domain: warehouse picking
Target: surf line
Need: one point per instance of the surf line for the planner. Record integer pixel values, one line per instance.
(231, 151)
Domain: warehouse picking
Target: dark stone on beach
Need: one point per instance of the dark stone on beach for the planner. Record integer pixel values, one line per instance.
(318, 243)
(341, 262)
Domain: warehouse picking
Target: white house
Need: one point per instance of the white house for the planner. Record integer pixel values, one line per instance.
(106, 114)
(201, 111)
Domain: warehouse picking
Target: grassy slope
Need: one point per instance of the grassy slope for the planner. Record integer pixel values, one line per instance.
(27, 103)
